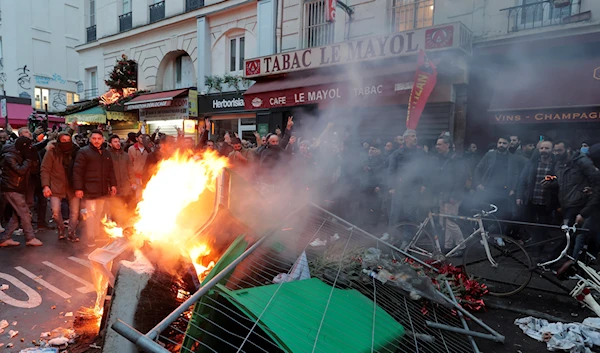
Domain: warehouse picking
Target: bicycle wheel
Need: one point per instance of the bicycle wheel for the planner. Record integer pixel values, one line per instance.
(513, 272)
(422, 248)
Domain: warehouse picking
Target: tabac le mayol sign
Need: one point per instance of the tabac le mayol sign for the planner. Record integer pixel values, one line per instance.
(386, 46)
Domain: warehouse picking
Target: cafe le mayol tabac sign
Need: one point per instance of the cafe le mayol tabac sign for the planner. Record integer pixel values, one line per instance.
(364, 49)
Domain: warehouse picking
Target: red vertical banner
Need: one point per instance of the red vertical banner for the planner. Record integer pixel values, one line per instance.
(425, 80)
(330, 10)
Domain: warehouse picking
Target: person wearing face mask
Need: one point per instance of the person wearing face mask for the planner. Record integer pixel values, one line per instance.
(534, 197)
(575, 173)
(15, 183)
(585, 148)
(495, 178)
(56, 171)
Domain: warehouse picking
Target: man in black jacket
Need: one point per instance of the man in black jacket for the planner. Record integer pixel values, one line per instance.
(574, 173)
(533, 193)
(450, 176)
(15, 182)
(94, 178)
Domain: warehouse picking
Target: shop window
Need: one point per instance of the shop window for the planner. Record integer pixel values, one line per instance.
(317, 30)
(237, 48)
(411, 14)
(42, 96)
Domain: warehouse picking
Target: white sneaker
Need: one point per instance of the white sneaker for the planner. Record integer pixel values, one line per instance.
(18, 232)
(385, 237)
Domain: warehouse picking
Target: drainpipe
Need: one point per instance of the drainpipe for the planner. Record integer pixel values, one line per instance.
(280, 13)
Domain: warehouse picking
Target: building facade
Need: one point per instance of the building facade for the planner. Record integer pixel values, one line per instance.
(38, 60)
(177, 45)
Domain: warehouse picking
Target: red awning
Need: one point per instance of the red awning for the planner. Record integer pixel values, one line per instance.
(389, 84)
(19, 111)
(546, 84)
(154, 100)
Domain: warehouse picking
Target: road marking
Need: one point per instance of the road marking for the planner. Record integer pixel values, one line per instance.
(33, 298)
(42, 282)
(85, 263)
(87, 286)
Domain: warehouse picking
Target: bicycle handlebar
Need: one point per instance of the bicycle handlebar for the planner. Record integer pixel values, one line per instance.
(565, 228)
(494, 209)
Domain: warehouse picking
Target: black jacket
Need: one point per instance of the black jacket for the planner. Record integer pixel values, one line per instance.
(449, 176)
(485, 168)
(572, 177)
(15, 170)
(373, 173)
(408, 169)
(93, 172)
(527, 181)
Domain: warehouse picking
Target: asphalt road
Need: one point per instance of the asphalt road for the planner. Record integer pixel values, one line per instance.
(45, 283)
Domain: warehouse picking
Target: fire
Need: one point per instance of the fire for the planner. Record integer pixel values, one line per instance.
(110, 227)
(197, 254)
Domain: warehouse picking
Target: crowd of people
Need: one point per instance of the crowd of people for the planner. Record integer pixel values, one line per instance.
(376, 184)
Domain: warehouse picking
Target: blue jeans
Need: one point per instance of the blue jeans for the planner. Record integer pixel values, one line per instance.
(21, 213)
(55, 204)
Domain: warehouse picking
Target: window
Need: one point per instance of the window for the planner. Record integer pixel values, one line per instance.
(536, 13)
(92, 12)
(126, 6)
(184, 71)
(42, 96)
(72, 98)
(317, 31)
(236, 53)
(411, 14)
(93, 80)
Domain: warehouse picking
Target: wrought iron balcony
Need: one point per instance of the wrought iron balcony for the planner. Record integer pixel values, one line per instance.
(157, 11)
(125, 22)
(544, 13)
(191, 5)
(91, 33)
(90, 93)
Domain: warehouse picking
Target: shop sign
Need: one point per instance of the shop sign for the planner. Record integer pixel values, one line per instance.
(177, 110)
(193, 103)
(221, 103)
(263, 129)
(150, 105)
(189, 126)
(325, 94)
(380, 47)
(546, 116)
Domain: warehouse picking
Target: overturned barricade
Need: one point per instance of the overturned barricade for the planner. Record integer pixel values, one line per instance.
(312, 282)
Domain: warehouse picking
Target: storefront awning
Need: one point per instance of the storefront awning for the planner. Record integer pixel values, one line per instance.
(384, 85)
(542, 85)
(95, 115)
(154, 100)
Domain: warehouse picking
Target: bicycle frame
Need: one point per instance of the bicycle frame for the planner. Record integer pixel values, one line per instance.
(438, 249)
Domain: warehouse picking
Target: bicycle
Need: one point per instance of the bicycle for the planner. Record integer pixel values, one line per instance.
(501, 252)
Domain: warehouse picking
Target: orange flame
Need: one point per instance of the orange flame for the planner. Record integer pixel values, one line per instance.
(110, 227)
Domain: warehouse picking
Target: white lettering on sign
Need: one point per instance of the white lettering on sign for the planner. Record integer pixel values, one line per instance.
(228, 103)
(277, 100)
(324, 94)
(368, 90)
(149, 105)
(33, 298)
(364, 49)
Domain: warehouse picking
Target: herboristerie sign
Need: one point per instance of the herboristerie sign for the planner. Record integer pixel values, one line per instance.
(364, 49)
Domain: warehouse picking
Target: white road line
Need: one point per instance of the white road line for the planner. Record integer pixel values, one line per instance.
(33, 298)
(42, 282)
(85, 263)
(88, 287)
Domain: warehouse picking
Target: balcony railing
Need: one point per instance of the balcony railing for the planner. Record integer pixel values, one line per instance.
(91, 34)
(90, 93)
(542, 14)
(317, 30)
(407, 16)
(125, 22)
(157, 11)
(191, 5)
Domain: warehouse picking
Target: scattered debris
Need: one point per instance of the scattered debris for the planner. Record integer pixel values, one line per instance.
(59, 341)
(95, 346)
(45, 335)
(70, 313)
(4, 287)
(318, 242)
(22, 340)
(39, 350)
(573, 337)
(12, 333)
(10, 345)
(3, 324)
(1, 345)
(53, 307)
(14, 323)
